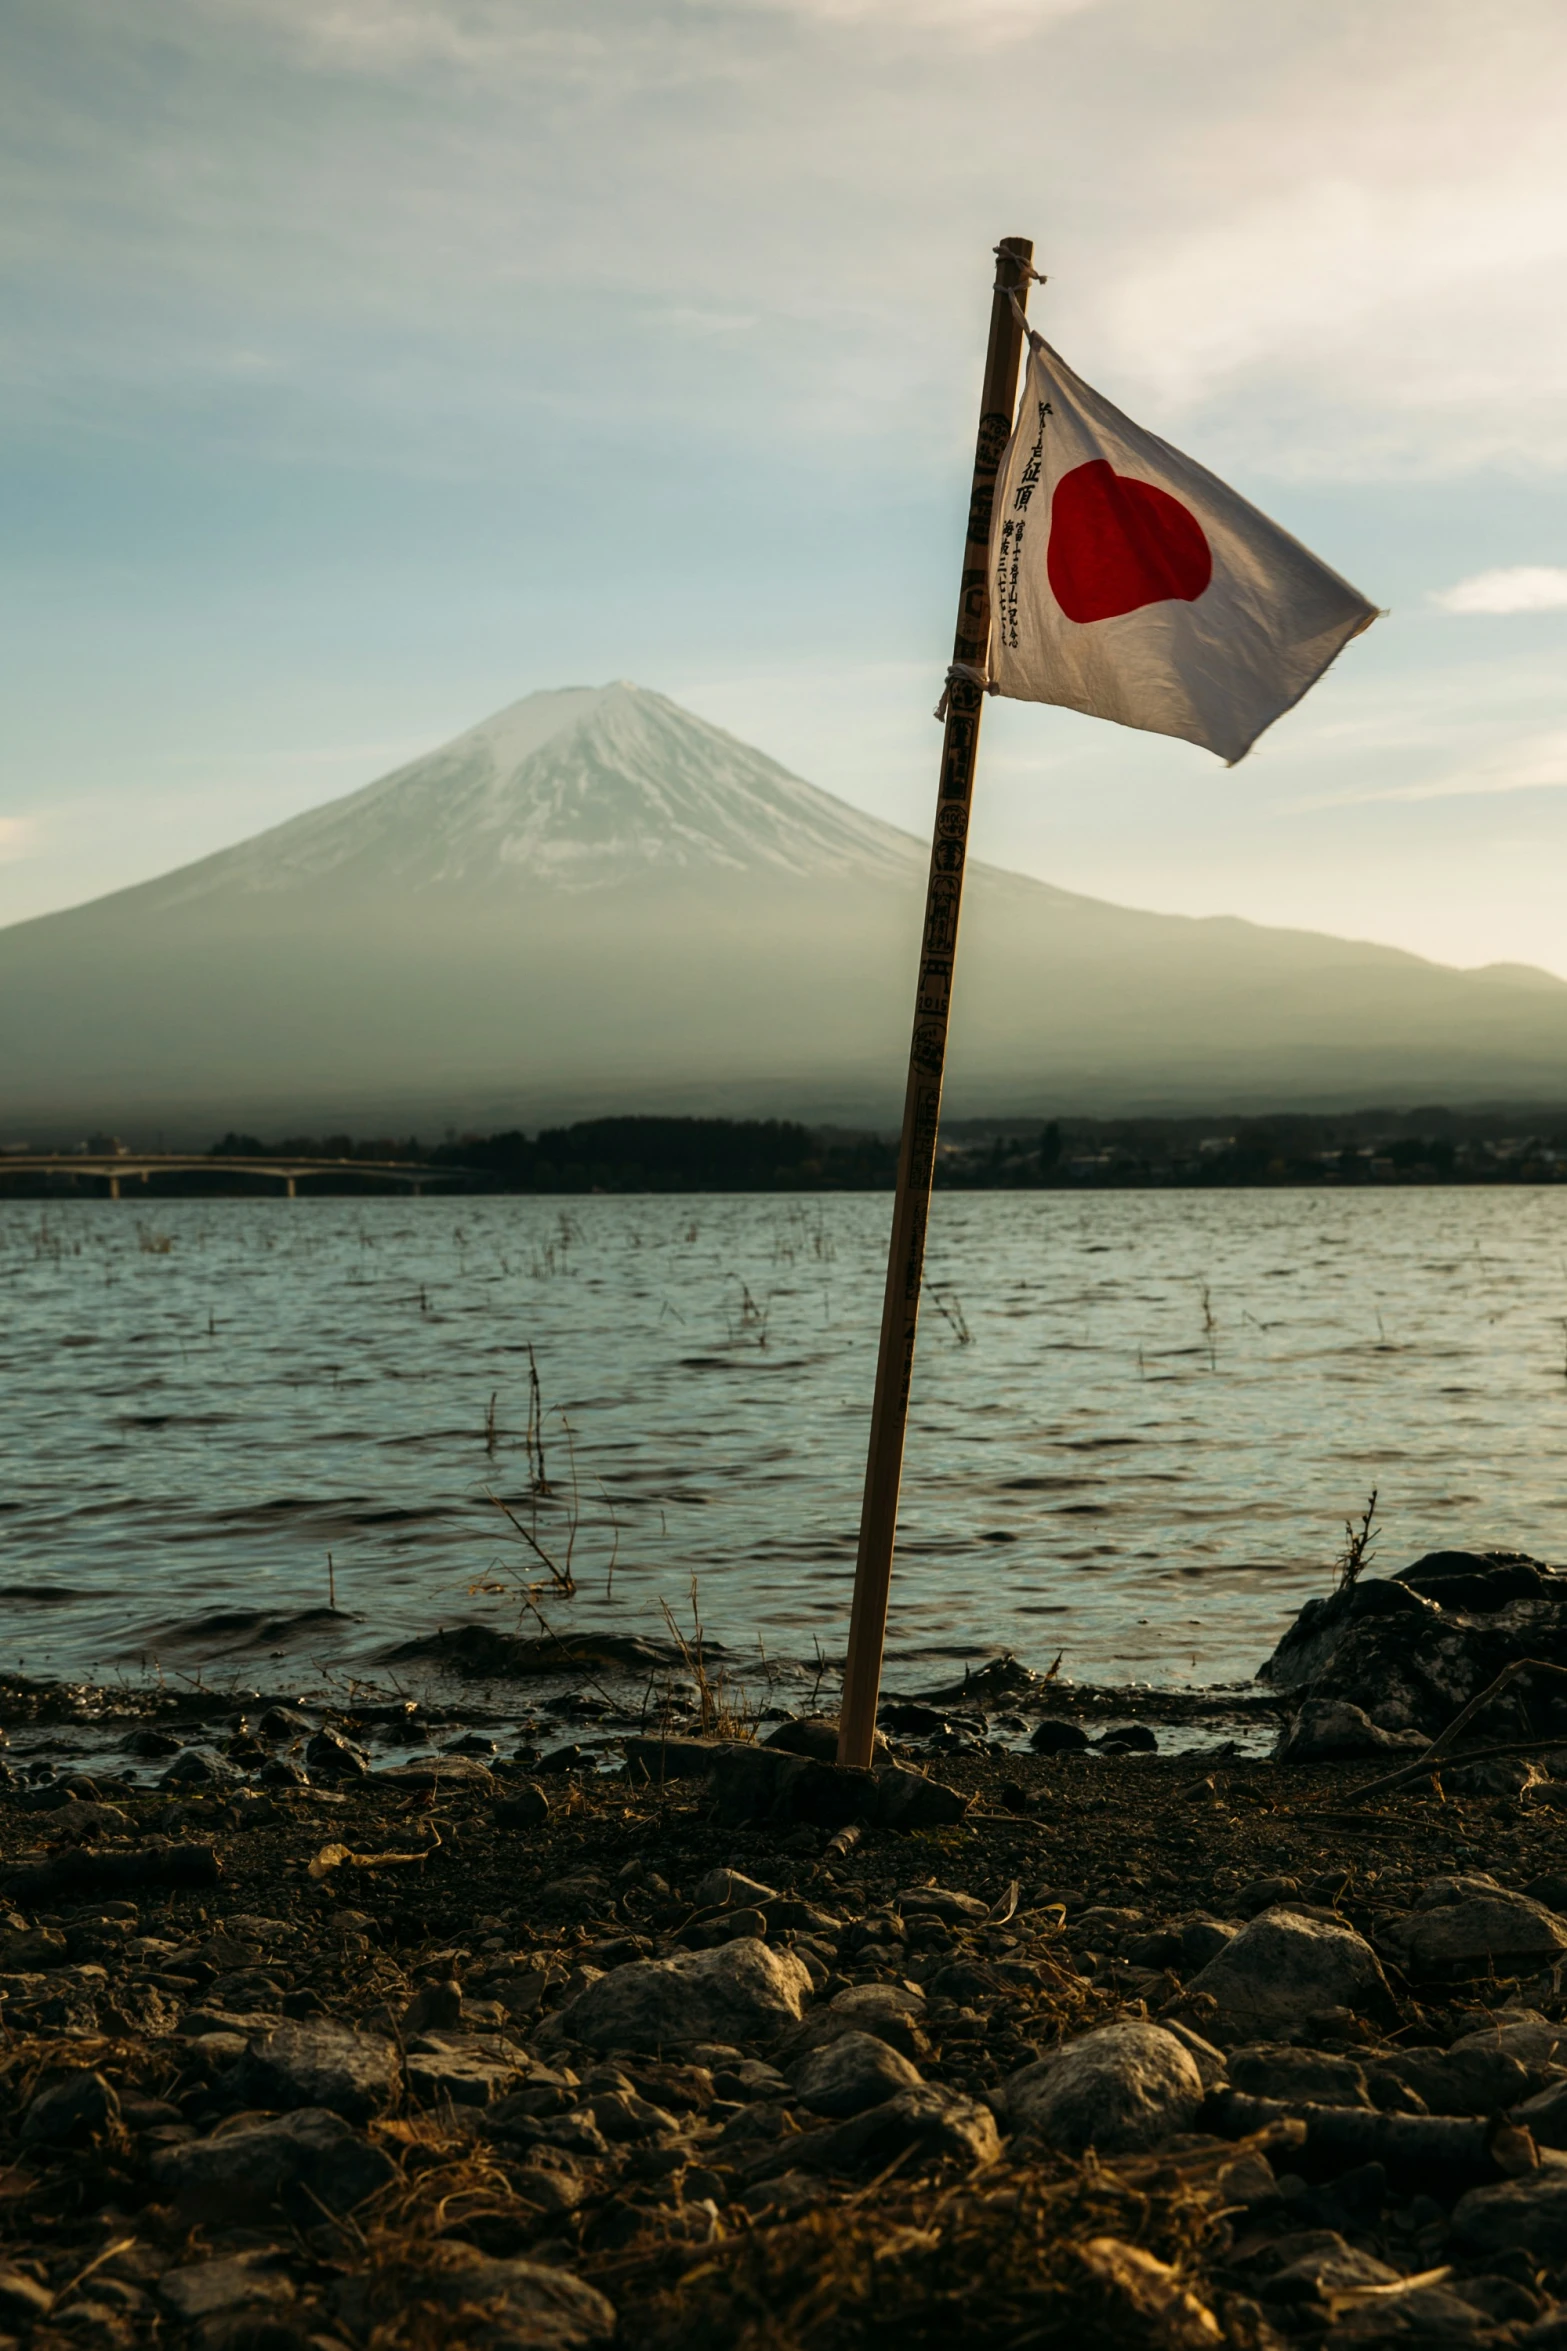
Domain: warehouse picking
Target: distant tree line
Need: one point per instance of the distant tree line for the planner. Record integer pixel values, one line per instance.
(652, 1154)
(647, 1154)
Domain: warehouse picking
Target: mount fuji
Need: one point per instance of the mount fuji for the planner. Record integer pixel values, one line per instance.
(596, 901)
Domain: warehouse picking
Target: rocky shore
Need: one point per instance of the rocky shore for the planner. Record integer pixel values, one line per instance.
(718, 2046)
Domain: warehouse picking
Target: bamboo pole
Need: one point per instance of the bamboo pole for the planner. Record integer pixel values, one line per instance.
(928, 1048)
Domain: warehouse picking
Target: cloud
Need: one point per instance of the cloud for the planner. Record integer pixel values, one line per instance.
(17, 835)
(1535, 763)
(1524, 587)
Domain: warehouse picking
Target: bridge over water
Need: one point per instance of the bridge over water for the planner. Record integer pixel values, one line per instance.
(119, 1167)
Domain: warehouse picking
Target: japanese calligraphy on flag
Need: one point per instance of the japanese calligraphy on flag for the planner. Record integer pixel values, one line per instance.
(1132, 584)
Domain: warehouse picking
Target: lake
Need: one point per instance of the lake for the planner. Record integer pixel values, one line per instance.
(1140, 1419)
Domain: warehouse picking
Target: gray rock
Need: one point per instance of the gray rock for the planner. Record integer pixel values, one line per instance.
(69, 2106)
(1383, 1619)
(1428, 2318)
(1282, 1968)
(946, 1903)
(332, 1756)
(1204, 1938)
(849, 2074)
(197, 1767)
(206, 2287)
(1529, 2214)
(469, 2076)
(237, 2173)
(1501, 1775)
(1520, 2033)
(1265, 1894)
(315, 2061)
(1480, 1933)
(1544, 2115)
(816, 1735)
(623, 2117)
(1459, 2081)
(1329, 2269)
(934, 2121)
(434, 2008)
(1055, 1737)
(1330, 1730)
(1120, 2089)
(522, 1808)
(504, 2303)
(743, 1991)
(890, 2012)
(660, 1759)
(1275, 2069)
(282, 1722)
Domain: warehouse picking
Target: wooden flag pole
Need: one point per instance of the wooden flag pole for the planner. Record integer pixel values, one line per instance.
(932, 1001)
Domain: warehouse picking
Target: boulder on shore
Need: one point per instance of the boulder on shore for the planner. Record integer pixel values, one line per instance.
(1410, 1650)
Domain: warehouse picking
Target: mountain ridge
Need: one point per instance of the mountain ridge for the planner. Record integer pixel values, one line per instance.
(595, 901)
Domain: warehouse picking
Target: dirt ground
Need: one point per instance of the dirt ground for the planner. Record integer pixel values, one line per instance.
(668, 2182)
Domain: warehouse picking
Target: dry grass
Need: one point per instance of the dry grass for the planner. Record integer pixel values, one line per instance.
(1098, 2257)
(1359, 1544)
(725, 1709)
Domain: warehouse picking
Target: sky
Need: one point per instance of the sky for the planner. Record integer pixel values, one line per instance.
(372, 363)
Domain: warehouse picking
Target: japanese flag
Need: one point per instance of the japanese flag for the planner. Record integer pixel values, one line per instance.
(1129, 583)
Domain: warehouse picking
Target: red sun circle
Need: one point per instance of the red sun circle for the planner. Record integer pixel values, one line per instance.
(1116, 544)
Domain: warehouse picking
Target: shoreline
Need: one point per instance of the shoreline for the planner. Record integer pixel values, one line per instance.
(323, 2068)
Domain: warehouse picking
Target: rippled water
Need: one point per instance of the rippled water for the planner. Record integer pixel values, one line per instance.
(1140, 1417)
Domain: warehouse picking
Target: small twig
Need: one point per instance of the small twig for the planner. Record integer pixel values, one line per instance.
(1359, 1543)
(560, 1576)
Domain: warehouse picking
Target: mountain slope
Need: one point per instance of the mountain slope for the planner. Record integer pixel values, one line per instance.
(596, 901)
(579, 789)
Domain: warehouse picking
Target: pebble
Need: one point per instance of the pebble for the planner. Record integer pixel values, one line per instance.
(1527, 2215)
(517, 2302)
(524, 1808)
(206, 2287)
(316, 2062)
(933, 2121)
(335, 1757)
(70, 2106)
(1273, 2069)
(244, 2107)
(463, 2076)
(246, 2171)
(1054, 1737)
(845, 2076)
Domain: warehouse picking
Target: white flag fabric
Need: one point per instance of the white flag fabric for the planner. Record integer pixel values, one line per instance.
(1129, 583)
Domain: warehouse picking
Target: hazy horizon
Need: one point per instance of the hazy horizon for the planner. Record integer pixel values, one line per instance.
(373, 367)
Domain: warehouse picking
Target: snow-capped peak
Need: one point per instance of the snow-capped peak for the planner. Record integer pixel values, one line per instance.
(580, 788)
